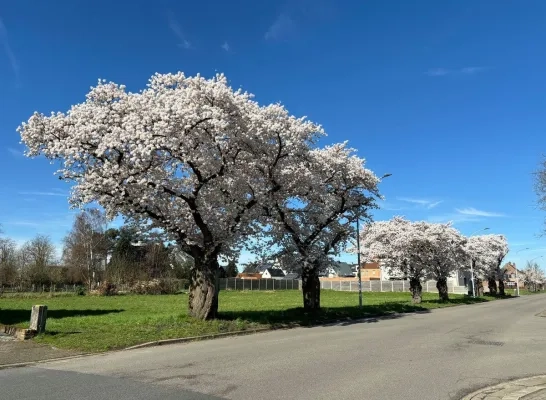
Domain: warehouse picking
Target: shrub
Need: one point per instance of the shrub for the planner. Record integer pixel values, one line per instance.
(80, 290)
(107, 289)
(156, 286)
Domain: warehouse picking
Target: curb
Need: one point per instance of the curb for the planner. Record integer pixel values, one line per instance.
(29, 363)
(512, 389)
(197, 338)
(261, 330)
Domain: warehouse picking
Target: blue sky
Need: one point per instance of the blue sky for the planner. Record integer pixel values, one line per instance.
(448, 96)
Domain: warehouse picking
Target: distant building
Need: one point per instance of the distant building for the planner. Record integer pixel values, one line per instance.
(339, 269)
(247, 275)
(273, 273)
(509, 272)
(370, 271)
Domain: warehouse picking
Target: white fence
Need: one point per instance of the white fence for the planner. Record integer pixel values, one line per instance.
(385, 286)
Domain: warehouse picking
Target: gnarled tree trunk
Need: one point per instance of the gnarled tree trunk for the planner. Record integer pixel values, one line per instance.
(492, 283)
(501, 288)
(416, 290)
(310, 287)
(203, 297)
(441, 285)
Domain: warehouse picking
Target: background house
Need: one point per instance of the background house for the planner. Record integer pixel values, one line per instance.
(292, 276)
(273, 273)
(509, 272)
(249, 275)
(339, 269)
(370, 271)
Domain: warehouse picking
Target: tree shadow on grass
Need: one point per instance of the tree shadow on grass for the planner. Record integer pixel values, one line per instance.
(459, 300)
(326, 316)
(14, 317)
(341, 316)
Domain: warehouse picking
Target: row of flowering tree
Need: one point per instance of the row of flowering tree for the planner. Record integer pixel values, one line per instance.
(209, 167)
(422, 250)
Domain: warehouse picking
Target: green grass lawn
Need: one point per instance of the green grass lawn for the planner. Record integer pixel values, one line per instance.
(93, 323)
(524, 292)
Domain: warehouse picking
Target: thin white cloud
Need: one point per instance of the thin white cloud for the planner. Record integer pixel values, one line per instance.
(280, 28)
(225, 46)
(453, 218)
(52, 193)
(7, 49)
(437, 72)
(15, 152)
(478, 213)
(175, 27)
(432, 205)
(421, 202)
(472, 70)
(386, 206)
(22, 223)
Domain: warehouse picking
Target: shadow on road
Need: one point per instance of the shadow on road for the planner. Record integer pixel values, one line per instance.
(17, 316)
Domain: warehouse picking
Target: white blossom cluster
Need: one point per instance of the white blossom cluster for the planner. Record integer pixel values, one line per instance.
(207, 164)
(486, 254)
(429, 250)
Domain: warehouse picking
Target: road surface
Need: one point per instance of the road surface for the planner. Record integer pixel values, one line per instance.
(445, 354)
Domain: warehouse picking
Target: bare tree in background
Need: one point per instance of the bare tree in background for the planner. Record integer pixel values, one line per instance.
(540, 185)
(85, 246)
(8, 261)
(533, 276)
(37, 254)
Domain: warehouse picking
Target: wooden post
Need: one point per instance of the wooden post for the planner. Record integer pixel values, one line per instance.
(38, 318)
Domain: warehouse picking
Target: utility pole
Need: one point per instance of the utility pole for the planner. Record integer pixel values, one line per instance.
(472, 266)
(358, 266)
(516, 268)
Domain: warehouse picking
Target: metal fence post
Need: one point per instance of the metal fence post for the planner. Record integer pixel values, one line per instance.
(403, 286)
(340, 285)
(380, 286)
(392, 286)
(370, 285)
(350, 286)
(427, 286)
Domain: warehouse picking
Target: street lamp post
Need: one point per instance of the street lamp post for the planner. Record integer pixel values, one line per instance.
(472, 266)
(358, 267)
(359, 273)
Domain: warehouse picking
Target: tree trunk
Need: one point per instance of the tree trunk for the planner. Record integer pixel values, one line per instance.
(310, 286)
(441, 285)
(492, 283)
(479, 287)
(501, 288)
(416, 290)
(203, 297)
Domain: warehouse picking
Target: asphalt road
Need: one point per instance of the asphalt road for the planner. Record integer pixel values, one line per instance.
(444, 354)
